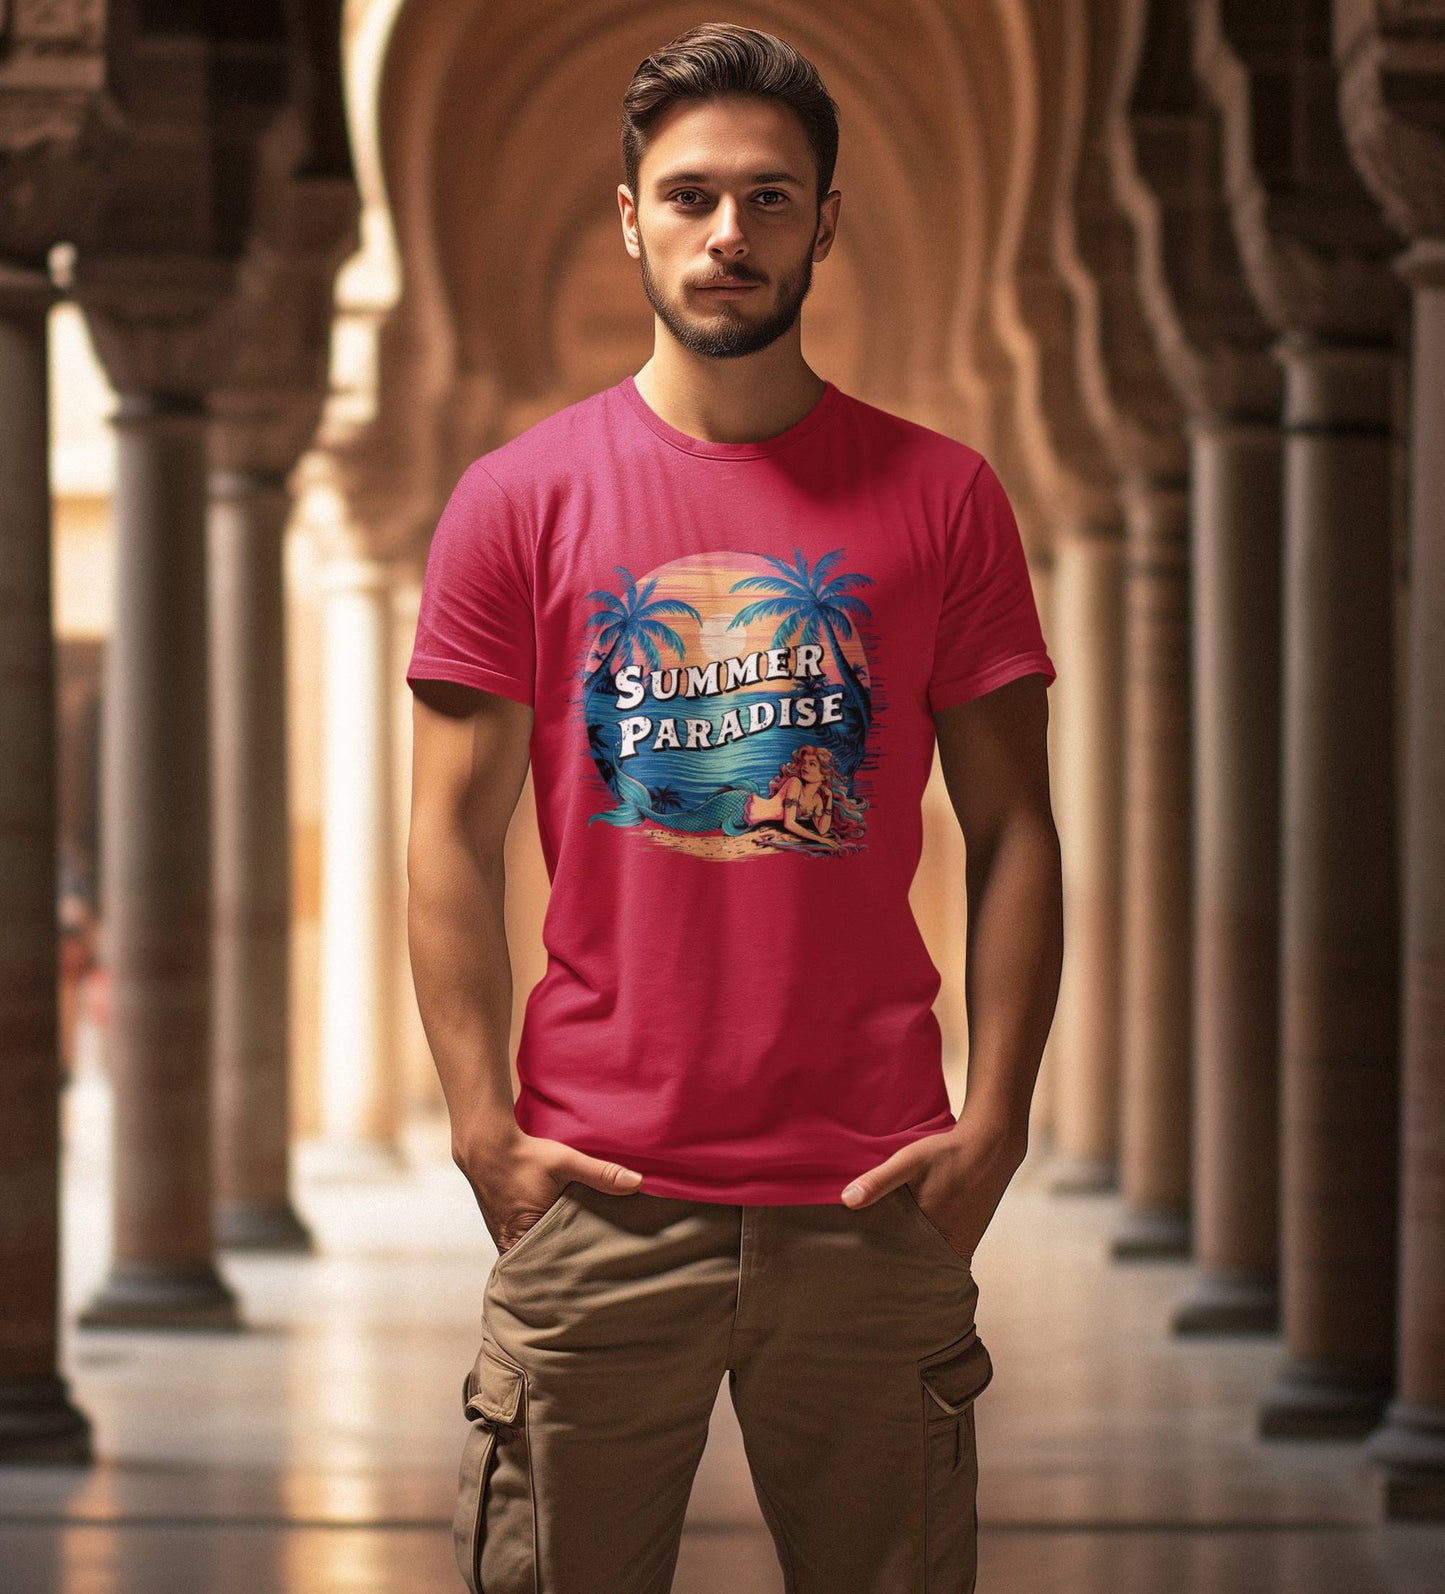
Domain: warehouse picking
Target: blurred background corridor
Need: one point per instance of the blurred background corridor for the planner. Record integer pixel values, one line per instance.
(271, 276)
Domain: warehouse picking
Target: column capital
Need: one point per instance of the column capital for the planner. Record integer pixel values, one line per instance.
(62, 124)
(1131, 406)
(1392, 75)
(267, 411)
(1312, 243)
(159, 321)
(1211, 338)
(1422, 265)
(264, 428)
(1240, 426)
(231, 482)
(1338, 384)
(263, 496)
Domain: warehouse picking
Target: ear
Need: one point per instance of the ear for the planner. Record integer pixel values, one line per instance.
(628, 209)
(827, 223)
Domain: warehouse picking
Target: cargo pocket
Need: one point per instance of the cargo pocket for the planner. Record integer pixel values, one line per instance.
(952, 1379)
(492, 1395)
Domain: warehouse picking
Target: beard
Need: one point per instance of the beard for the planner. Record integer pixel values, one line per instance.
(726, 334)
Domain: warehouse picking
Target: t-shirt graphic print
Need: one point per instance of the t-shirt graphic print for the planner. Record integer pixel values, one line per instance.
(733, 653)
(729, 704)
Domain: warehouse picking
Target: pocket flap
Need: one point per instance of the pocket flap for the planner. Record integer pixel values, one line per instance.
(492, 1389)
(959, 1375)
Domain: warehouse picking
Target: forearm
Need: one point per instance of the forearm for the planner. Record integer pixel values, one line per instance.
(456, 932)
(1013, 963)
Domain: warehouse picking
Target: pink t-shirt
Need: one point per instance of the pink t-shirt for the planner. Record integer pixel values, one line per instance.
(733, 652)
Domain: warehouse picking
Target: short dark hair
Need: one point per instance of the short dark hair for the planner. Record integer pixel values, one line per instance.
(721, 58)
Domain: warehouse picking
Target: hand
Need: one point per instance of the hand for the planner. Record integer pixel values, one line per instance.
(516, 1177)
(958, 1177)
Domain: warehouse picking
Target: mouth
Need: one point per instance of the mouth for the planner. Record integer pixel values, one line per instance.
(727, 288)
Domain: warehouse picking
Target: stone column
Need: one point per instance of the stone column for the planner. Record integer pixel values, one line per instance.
(1411, 1444)
(1212, 344)
(1315, 252)
(359, 901)
(38, 1422)
(1392, 86)
(1087, 643)
(1135, 429)
(151, 319)
(251, 1019)
(1339, 894)
(1155, 1126)
(1236, 578)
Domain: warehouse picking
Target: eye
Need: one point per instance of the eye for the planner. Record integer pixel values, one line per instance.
(681, 196)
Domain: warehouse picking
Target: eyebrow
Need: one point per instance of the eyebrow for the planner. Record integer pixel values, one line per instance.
(778, 176)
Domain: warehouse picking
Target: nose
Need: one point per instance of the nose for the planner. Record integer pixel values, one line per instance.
(727, 241)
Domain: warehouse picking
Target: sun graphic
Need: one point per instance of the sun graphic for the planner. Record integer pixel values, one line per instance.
(716, 640)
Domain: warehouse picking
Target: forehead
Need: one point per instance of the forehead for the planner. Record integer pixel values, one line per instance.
(732, 138)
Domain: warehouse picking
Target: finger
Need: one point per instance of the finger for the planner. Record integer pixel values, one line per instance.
(610, 1177)
(876, 1183)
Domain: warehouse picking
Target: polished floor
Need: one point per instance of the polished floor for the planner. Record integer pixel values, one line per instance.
(316, 1451)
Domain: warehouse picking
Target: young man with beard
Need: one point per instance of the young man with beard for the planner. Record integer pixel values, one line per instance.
(732, 1153)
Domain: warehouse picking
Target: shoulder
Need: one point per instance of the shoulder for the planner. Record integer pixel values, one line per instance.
(910, 445)
(548, 449)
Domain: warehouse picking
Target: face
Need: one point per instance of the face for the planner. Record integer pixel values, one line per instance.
(727, 194)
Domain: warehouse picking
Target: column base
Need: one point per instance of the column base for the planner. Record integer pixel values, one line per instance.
(1147, 1234)
(40, 1426)
(1322, 1400)
(1410, 1447)
(163, 1295)
(244, 1226)
(1229, 1301)
(1069, 1174)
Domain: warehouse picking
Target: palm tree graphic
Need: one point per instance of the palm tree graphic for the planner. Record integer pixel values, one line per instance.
(809, 603)
(628, 622)
(631, 621)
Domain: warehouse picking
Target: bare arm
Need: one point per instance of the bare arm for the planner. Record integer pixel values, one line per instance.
(995, 764)
(993, 753)
(469, 764)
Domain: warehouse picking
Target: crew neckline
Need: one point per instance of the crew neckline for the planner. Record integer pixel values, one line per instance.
(827, 402)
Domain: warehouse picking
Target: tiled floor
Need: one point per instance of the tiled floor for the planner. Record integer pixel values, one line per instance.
(317, 1450)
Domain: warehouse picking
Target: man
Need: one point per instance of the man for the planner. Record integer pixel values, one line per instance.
(727, 610)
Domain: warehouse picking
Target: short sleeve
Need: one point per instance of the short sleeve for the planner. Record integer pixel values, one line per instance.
(988, 623)
(476, 622)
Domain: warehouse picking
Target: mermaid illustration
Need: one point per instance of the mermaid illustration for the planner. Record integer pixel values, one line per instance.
(807, 798)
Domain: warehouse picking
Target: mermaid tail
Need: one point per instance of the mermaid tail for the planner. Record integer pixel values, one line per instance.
(725, 810)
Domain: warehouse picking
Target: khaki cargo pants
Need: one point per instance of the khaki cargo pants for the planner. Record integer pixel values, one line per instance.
(852, 1358)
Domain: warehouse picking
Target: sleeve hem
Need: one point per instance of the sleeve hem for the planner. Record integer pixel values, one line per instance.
(966, 687)
(426, 668)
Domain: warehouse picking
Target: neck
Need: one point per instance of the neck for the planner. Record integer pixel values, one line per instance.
(729, 401)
